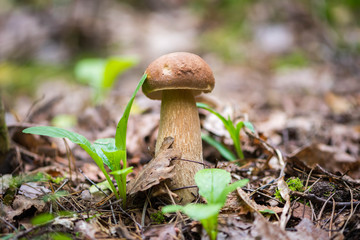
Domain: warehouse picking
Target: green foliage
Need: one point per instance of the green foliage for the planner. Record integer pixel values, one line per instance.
(226, 153)
(64, 121)
(296, 59)
(214, 187)
(157, 217)
(111, 152)
(17, 79)
(232, 128)
(294, 184)
(101, 74)
(43, 218)
(60, 236)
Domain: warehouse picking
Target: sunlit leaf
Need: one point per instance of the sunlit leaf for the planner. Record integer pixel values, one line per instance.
(211, 183)
(42, 219)
(115, 66)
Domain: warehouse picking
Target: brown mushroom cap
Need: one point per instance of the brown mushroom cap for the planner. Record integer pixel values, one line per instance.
(179, 70)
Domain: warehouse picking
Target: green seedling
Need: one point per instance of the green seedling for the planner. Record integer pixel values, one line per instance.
(234, 131)
(294, 184)
(101, 74)
(109, 151)
(214, 187)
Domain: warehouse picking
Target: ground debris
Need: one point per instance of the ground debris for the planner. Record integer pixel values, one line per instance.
(157, 170)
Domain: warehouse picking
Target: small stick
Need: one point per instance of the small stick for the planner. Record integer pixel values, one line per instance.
(332, 218)
(111, 206)
(317, 199)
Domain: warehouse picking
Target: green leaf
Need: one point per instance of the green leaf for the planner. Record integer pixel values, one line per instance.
(239, 126)
(64, 120)
(249, 126)
(103, 145)
(235, 185)
(90, 71)
(211, 183)
(106, 144)
(267, 211)
(226, 153)
(125, 171)
(195, 211)
(78, 139)
(102, 185)
(208, 108)
(60, 236)
(201, 211)
(42, 219)
(114, 67)
(120, 136)
(58, 133)
(172, 208)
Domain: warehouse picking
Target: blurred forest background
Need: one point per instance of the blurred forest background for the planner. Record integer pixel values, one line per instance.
(274, 60)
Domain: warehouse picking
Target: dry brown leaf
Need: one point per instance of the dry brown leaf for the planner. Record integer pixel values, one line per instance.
(300, 210)
(330, 158)
(21, 204)
(307, 230)
(169, 232)
(265, 230)
(254, 206)
(157, 170)
(285, 194)
(33, 190)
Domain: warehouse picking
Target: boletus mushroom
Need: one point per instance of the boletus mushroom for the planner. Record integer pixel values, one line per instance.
(176, 79)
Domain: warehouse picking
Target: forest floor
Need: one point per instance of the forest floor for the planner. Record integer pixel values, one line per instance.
(307, 126)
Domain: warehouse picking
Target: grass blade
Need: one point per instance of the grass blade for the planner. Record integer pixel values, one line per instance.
(226, 153)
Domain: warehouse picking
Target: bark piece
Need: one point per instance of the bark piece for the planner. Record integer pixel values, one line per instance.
(157, 170)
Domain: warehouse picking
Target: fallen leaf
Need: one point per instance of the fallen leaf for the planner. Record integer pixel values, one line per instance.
(33, 190)
(300, 210)
(254, 206)
(307, 230)
(330, 158)
(265, 230)
(285, 194)
(86, 229)
(157, 170)
(169, 232)
(23, 204)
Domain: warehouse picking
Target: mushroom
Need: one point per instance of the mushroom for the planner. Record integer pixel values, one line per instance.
(176, 79)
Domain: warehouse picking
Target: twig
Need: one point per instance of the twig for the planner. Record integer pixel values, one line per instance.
(62, 185)
(8, 223)
(111, 206)
(313, 197)
(185, 187)
(143, 213)
(323, 208)
(332, 218)
(261, 193)
(352, 208)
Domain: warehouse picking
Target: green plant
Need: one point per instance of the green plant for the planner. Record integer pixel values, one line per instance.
(294, 184)
(101, 74)
(157, 217)
(214, 187)
(234, 131)
(109, 151)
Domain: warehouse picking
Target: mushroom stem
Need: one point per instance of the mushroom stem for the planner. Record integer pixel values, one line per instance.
(179, 119)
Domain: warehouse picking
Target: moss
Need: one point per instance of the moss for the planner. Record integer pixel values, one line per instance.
(294, 184)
